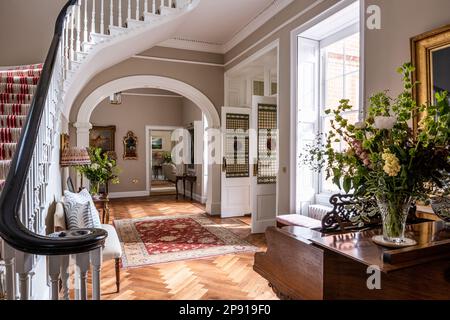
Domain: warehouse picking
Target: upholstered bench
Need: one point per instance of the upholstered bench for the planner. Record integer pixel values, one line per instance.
(111, 250)
(298, 220)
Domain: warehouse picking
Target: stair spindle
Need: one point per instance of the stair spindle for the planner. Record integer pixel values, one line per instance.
(10, 272)
(82, 265)
(111, 12)
(102, 17)
(71, 38)
(154, 6)
(78, 20)
(53, 272)
(170, 3)
(66, 47)
(145, 5)
(129, 10)
(96, 261)
(137, 9)
(120, 13)
(86, 31)
(93, 17)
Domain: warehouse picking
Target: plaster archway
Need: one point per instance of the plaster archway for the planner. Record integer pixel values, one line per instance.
(89, 104)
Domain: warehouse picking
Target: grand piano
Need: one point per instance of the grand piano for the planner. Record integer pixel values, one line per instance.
(302, 263)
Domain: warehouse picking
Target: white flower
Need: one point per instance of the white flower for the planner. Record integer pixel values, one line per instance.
(385, 122)
(95, 166)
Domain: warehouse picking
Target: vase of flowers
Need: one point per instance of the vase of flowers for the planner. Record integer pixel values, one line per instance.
(384, 159)
(102, 170)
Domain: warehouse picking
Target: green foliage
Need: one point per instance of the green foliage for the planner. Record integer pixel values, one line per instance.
(102, 169)
(384, 156)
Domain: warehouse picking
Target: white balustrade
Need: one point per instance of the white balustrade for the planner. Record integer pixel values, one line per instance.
(137, 9)
(79, 30)
(102, 17)
(111, 12)
(93, 29)
(120, 14)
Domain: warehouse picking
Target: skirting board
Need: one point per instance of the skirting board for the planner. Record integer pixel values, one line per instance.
(131, 194)
(196, 196)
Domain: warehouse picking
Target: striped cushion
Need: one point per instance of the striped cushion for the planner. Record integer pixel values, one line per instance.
(84, 197)
(78, 215)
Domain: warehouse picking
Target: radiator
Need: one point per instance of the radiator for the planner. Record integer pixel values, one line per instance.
(318, 211)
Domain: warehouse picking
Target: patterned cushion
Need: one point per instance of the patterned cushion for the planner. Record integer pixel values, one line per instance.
(82, 197)
(78, 215)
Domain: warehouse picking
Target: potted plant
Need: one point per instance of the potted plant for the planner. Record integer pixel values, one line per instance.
(384, 159)
(102, 170)
(167, 157)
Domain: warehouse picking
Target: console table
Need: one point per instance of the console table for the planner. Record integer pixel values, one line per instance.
(103, 202)
(184, 178)
(302, 263)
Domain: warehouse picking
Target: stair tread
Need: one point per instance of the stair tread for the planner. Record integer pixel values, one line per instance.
(17, 88)
(15, 98)
(23, 73)
(11, 121)
(14, 108)
(10, 135)
(7, 150)
(19, 79)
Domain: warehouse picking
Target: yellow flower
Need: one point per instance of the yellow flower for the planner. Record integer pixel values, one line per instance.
(391, 164)
(422, 124)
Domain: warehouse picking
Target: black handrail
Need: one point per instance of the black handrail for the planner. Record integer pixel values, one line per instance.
(11, 228)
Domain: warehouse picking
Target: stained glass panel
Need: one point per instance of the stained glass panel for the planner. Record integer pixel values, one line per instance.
(267, 144)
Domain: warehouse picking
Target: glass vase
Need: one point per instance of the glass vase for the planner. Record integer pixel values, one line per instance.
(394, 211)
(94, 188)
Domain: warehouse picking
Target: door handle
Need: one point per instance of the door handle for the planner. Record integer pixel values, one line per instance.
(224, 165)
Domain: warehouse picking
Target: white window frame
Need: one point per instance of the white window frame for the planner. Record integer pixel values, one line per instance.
(338, 36)
(320, 198)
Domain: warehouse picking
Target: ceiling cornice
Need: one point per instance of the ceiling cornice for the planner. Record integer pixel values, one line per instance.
(256, 23)
(252, 26)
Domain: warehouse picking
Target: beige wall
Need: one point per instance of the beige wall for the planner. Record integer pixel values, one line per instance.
(385, 50)
(191, 112)
(246, 47)
(206, 78)
(389, 48)
(134, 114)
(26, 30)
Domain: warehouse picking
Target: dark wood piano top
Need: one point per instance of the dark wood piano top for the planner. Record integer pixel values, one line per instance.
(433, 243)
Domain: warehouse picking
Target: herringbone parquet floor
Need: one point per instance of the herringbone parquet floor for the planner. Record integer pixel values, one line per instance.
(223, 277)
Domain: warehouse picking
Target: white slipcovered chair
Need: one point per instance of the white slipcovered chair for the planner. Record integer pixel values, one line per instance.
(112, 249)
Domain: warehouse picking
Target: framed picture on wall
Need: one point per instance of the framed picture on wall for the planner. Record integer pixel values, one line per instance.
(157, 143)
(130, 146)
(103, 137)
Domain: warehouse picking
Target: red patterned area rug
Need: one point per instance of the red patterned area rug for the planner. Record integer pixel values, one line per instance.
(153, 240)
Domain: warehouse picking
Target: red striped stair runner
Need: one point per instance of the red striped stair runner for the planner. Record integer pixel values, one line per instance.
(17, 87)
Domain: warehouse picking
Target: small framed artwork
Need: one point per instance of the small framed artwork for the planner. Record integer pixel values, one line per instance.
(103, 137)
(157, 143)
(130, 146)
(64, 141)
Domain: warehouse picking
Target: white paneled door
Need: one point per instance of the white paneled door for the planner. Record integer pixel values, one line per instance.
(264, 155)
(236, 179)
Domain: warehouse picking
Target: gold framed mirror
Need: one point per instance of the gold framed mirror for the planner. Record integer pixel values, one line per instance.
(431, 57)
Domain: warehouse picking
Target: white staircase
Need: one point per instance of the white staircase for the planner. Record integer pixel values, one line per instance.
(90, 36)
(101, 33)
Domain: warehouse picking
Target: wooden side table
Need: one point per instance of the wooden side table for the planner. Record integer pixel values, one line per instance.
(104, 203)
(184, 178)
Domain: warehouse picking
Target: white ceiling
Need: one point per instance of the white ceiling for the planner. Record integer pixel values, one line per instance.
(218, 21)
